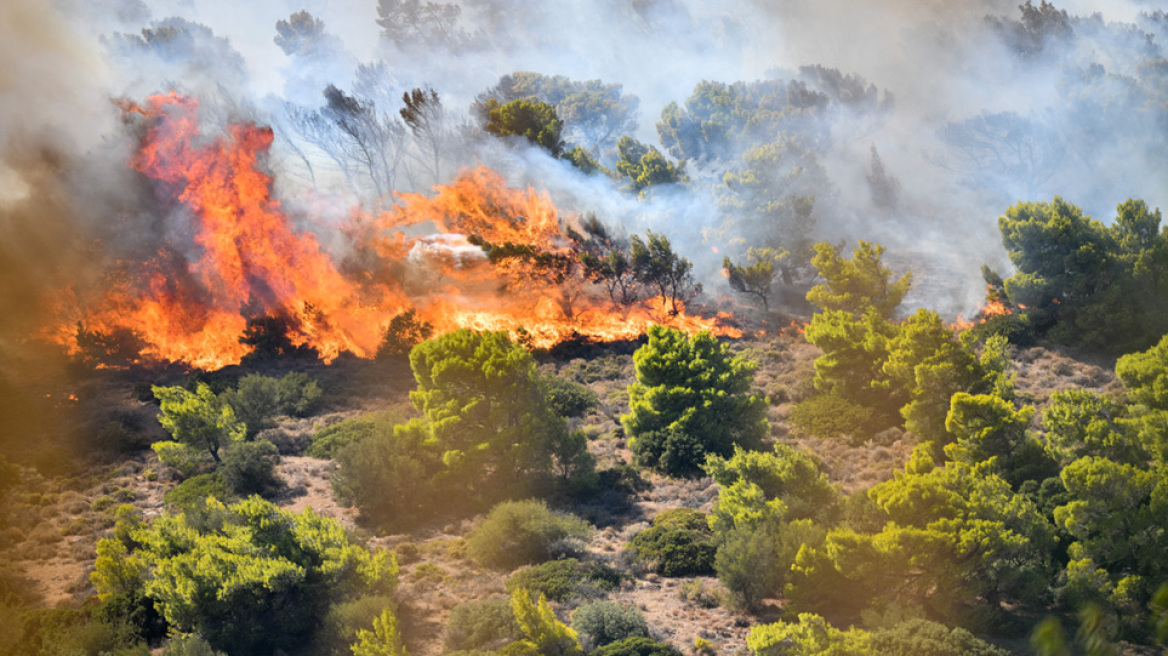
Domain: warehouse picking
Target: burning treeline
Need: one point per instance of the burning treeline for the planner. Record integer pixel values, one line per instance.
(477, 254)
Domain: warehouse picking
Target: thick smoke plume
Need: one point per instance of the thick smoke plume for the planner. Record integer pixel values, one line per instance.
(913, 124)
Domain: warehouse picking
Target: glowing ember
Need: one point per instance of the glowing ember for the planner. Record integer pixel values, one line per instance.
(239, 263)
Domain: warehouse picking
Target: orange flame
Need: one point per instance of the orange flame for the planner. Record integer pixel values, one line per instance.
(241, 259)
(994, 307)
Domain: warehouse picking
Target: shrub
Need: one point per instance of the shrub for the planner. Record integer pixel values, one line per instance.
(250, 467)
(403, 333)
(194, 491)
(254, 401)
(481, 625)
(679, 543)
(328, 441)
(116, 437)
(691, 398)
(184, 459)
(830, 415)
(637, 646)
(523, 532)
(257, 400)
(190, 644)
(556, 579)
(297, 394)
(568, 398)
(386, 476)
(920, 637)
(339, 627)
(604, 622)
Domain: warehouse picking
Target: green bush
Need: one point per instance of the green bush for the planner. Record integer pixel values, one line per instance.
(691, 398)
(328, 441)
(190, 644)
(924, 638)
(250, 467)
(387, 477)
(831, 415)
(604, 622)
(568, 398)
(297, 394)
(338, 629)
(194, 491)
(556, 579)
(522, 532)
(679, 543)
(257, 400)
(481, 625)
(637, 646)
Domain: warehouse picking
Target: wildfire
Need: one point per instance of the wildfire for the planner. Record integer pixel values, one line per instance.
(238, 259)
(994, 307)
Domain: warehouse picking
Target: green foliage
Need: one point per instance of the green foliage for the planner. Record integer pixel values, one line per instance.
(657, 267)
(754, 486)
(810, 636)
(339, 626)
(404, 332)
(556, 579)
(257, 400)
(189, 644)
(383, 640)
(484, 410)
(543, 633)
(852, 364)
(199, 420)
(568, 398)
(1082, 423)
(65, 632)
(584, 161)
(604, 622)
(1084, 283)
(593, 113)
(769, 200)
(858, 285)
(679, 543)
(919, 637)
(831, 415)
(481, 625)
(637, 646)
(754, 279)
(690, 399)
(753, 560)
(250, 467)
(249, 577)
(645, 166)
(186, 460)
(387, 473)
(532, 119)
(957, 536)
(327, 442)
(195, 490)
(522, 532)
(254, 401)
(1145, 375)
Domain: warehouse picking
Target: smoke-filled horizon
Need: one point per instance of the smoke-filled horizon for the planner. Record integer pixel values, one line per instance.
(914, 124)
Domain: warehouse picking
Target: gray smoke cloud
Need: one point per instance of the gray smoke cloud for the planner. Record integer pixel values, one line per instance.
(972, 85)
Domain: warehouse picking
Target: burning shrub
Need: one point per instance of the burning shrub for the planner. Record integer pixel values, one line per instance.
(404, 332)
(691, 398)
(1084, 283)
